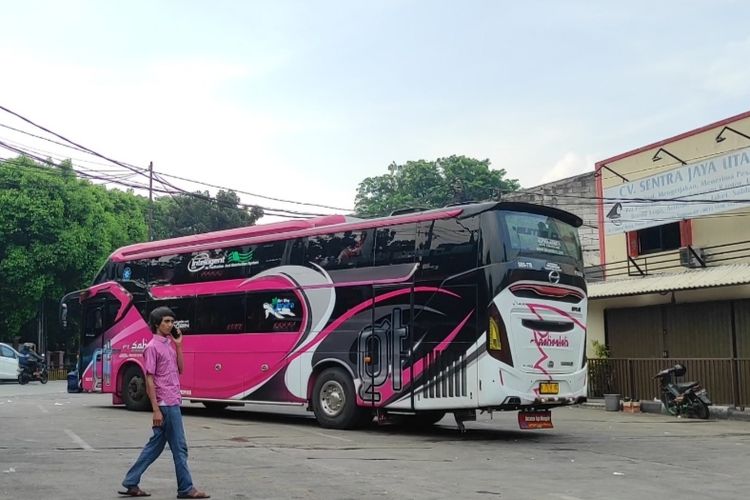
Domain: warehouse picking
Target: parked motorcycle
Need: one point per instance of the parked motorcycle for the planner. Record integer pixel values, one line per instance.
(31, 373)
(687, 398)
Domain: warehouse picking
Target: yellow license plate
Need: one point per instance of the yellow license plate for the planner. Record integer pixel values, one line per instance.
(549, 388)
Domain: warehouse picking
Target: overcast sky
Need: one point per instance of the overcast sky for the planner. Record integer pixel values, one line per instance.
(303, 100)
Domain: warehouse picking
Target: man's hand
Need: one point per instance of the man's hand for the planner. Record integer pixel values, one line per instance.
(177, 340)
(158, 418)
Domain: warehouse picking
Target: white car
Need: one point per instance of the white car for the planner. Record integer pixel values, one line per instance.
(8, 362)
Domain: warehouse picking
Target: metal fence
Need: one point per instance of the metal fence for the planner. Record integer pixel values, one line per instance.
(58, 374)
(672, 261)
(726, 379)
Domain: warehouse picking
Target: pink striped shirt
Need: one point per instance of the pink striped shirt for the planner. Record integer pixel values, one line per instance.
(161, 362)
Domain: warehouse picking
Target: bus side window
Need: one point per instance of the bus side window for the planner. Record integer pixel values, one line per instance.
(344, 250)
(183, 310)
(219, 314)
(447, 247)
(395, 245)
(132, 271)
(273, 312)
(267, 255)
(162, 270)
(296, 251)
(315, 250)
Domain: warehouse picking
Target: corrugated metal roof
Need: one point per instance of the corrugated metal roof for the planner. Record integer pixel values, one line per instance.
(736, 274)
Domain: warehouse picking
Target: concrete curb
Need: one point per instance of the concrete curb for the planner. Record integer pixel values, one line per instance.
(717, 412)
(729, 413)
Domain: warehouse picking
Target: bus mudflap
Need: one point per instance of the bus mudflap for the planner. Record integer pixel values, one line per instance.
(538, 419)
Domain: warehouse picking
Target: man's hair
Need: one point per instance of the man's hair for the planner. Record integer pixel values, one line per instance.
(158, 314)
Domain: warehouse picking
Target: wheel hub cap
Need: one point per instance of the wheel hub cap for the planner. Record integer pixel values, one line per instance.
(332, 398)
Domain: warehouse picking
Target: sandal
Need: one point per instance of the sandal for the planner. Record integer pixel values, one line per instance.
(194, 493)
(134, 491)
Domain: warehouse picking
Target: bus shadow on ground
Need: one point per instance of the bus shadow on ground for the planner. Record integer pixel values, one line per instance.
(445, 430)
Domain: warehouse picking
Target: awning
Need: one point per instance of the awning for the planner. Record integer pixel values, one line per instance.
(736, 274)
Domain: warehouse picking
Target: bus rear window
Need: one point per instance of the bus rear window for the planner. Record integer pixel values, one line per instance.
(538, 234)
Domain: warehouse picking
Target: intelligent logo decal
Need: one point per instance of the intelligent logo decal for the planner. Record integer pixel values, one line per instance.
(235, 258)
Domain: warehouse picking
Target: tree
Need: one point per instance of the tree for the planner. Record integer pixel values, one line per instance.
(430, 184)
(58, 230)
(55, 233)
(186, 214)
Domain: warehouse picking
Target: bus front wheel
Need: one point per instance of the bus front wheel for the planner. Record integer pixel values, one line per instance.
(334, 401)
(134, 390)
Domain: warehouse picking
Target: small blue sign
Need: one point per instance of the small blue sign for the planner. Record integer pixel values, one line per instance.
(127, 273)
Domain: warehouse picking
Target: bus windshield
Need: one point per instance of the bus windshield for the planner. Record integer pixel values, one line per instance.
(532, 234)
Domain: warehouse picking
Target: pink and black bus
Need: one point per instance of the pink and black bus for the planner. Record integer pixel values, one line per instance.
(476, 306)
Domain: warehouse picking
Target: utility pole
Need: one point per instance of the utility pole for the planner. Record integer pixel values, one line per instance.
(150, 201)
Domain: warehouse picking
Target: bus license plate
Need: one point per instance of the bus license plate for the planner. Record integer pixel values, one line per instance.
(535, 419)
(549, 388)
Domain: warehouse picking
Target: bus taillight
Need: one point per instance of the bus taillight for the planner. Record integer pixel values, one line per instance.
(497, 338)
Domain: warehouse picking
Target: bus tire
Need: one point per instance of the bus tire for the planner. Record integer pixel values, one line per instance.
(133, 390)
(334, 401)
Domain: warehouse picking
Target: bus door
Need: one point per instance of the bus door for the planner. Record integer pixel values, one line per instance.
(444, 347)
(71, 320)
(99, 314)
(384, 354)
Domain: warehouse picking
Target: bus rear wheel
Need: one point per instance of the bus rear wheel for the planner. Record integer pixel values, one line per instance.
(334, 401)
(133, 390)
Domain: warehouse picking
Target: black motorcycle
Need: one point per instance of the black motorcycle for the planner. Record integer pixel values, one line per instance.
(687, 398)
(37, 371)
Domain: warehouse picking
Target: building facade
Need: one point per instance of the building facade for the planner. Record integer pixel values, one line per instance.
(674, 278)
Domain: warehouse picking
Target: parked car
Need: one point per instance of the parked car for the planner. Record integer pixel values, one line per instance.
(8, 362)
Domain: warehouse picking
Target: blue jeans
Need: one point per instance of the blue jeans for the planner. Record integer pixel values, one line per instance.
(172, 432)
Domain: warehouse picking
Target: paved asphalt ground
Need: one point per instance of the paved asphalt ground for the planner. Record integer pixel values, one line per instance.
(55, 445)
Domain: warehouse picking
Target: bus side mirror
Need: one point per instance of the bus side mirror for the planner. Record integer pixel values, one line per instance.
(64, 315)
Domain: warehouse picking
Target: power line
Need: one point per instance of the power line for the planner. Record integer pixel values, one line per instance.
(63, 157)
(250, 206)
(109, 178)
(143, 171)
(59, 136)
(27, 149)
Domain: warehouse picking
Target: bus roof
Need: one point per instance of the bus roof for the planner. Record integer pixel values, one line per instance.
(318, 225)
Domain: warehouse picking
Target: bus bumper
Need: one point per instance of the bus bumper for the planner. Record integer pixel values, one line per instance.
(513, 389)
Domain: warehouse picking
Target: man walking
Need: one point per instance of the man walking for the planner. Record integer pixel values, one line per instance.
(163, 364)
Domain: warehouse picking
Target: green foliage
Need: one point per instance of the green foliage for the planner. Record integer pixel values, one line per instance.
(601, 350)
(56, 231)
(430, 184)
(183, 215)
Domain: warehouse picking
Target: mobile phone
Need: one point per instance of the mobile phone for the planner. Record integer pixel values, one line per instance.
(175, 333)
